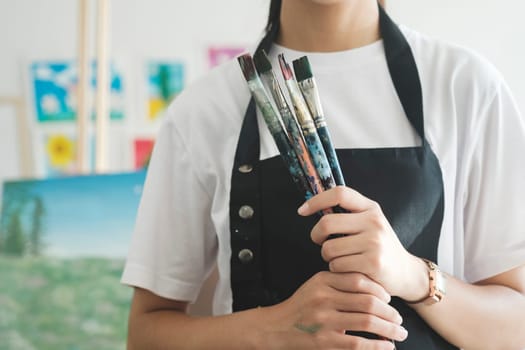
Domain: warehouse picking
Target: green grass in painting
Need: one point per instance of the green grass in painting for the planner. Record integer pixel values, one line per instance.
(67, 304)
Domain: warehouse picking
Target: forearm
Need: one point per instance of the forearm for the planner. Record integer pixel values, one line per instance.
(312, 318)
(484, 316)
(169, 329)
(478, 317)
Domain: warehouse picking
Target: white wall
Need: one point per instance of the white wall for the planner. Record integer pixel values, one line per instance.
(494, 29)
(183, 29)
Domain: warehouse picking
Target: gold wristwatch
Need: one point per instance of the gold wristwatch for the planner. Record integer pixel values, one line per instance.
(437, 282)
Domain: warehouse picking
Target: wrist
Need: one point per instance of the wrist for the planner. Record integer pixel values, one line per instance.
(263, 333)
(418, 284)
(272, 334)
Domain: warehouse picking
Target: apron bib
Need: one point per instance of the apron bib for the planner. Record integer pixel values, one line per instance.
(272, 254)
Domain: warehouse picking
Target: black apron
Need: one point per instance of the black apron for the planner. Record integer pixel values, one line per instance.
(272, 254)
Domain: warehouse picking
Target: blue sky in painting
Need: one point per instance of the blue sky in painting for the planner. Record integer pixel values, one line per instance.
(89, 215)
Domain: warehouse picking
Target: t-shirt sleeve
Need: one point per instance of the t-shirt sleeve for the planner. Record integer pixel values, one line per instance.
(494, 211)
(174, 245)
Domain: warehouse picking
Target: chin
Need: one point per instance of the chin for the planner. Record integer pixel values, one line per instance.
(329, 2)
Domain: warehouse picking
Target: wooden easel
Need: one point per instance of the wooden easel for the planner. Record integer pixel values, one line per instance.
(102, 92)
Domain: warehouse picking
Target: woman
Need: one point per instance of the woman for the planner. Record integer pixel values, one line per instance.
(426, 134)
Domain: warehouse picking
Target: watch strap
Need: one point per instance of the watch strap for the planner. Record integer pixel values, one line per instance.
(436, 291)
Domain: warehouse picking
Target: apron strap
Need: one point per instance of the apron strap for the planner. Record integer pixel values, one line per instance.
(248, 146)
(403, 71)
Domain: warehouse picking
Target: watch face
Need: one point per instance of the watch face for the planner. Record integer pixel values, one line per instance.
(441, 284)
(438, 284)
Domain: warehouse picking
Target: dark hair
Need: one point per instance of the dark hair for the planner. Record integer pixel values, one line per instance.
(274, 14)
(272, 27)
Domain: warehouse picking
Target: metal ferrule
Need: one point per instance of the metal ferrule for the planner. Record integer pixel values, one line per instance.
(301, 109)
(277, 93)
(311, 95)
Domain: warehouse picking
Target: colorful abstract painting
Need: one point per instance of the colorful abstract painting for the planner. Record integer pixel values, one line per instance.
(54, 88)
(165, 81)
(56, 156)
(142, 152)
(62, 249)
(220, 54)
(60, 154)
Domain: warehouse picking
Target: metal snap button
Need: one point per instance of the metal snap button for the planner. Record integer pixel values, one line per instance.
(245, 168)
(246, 212)
(245, 256)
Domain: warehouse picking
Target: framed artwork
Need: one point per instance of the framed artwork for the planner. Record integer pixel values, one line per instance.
(142, 149)
(165, 81)
(220, 54)
(58, 153)
(54, 88)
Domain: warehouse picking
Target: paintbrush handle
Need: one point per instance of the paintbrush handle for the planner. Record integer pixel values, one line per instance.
(281, 140)
(333, 161)
(296, 139)
(292, 163)
(318, 155)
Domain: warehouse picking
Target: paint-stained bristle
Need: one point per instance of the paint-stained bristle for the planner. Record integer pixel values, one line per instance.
(247, 66)
(285, 68)
(262, 62)
(302, 69)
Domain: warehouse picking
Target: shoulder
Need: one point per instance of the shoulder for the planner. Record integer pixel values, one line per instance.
(459, 69)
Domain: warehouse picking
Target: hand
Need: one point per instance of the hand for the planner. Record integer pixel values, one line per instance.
(371, 246)
(318, 313)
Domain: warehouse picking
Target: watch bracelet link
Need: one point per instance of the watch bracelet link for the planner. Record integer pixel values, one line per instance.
(437, 288)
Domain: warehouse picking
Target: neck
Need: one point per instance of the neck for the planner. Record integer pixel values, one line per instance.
(311, 26)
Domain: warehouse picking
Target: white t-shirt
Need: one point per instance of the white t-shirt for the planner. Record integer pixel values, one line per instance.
(471, 123)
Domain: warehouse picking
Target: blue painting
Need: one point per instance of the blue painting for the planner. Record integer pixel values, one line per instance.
(62, 248)
(55, 85)
(90, 215)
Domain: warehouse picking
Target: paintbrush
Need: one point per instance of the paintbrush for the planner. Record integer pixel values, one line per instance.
(266, 73)
(272, 119)
(308, 87)
(306, 122)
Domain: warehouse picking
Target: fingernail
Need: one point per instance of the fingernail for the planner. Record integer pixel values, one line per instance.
(303, 209)
(404, 332)
(388, 298)
(399, 319)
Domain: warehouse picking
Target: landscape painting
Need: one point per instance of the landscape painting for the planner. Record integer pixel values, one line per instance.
(63, 243)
